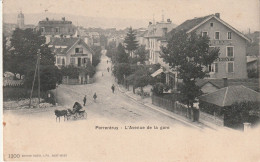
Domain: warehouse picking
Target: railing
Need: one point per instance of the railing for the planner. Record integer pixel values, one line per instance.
(220, 42)
(12, 83)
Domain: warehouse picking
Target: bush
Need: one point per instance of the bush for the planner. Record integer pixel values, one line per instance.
(253, 73)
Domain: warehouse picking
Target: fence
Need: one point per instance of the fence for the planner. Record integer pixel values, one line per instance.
(12, 83)
(170, 105)
(181, 109)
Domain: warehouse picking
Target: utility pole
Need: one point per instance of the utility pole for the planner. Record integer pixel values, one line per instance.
(33, 82)
(39, 83)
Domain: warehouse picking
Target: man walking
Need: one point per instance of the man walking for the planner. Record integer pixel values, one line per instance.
(95, 97)
(85, 100)
(113, 88)
(107, 69)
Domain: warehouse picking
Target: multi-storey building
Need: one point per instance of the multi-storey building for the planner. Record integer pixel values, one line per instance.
(232, 44)
(56, 28)
(154, 35)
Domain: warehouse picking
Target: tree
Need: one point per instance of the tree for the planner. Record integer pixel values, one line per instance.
(25, 45)
(49, 77)
(6, 55)
(130, 41)
(189, 54)
(103, 40)
(142, 54)
(121, 70)
(121, 55)
(96, 56)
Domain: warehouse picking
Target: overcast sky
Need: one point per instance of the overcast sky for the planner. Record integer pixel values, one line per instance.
(242, 14)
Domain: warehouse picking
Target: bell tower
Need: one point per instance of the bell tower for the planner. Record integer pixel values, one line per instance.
(20, 20)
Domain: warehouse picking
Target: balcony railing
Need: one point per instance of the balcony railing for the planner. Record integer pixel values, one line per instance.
(220, 42)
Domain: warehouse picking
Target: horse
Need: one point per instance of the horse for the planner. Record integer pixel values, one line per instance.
(60, 113)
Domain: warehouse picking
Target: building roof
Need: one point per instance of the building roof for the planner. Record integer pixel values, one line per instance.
(156, 30)
(219, 83)
(230, 95)
(190, 25)
(63, 45)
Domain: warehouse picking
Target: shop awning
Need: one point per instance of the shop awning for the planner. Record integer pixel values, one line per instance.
(159, 71)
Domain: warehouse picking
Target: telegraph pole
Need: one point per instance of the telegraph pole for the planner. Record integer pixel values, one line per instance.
(39, 83)
(33, 83)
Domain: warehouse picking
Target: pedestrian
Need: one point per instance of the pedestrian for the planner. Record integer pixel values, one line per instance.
(102, 74)
(113, 88)
(107, 69)
(95, 97)
(107, 61)
(85, 100)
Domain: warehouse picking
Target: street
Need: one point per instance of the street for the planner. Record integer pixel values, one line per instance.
(111, 106)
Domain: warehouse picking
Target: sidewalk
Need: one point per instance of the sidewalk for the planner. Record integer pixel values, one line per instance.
(148, 103)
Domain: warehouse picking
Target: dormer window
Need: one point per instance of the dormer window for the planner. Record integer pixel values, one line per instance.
(211, 24)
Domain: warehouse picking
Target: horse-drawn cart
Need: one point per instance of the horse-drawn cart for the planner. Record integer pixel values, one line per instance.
(76, 112)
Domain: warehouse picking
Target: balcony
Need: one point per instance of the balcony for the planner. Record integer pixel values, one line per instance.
(220, 42)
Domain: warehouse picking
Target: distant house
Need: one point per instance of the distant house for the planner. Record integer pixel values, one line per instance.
(56, 28)
(70, 51)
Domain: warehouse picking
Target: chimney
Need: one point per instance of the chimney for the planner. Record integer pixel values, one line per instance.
(169, 20)
(63, 18)
(225, 80)
(47, 19)
(217, 15)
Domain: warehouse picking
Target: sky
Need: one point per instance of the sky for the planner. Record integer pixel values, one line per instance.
(242, 14)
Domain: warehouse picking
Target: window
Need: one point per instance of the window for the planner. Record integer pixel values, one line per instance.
(63, 61)
(42, 29)
(72, 61)
(229, 35)
(78, 50)
(213, 68)
(217, 35)
(230, 51)
(204, 34)
(58, 60)
(56, 30)
(211, 24)
(230, 67)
